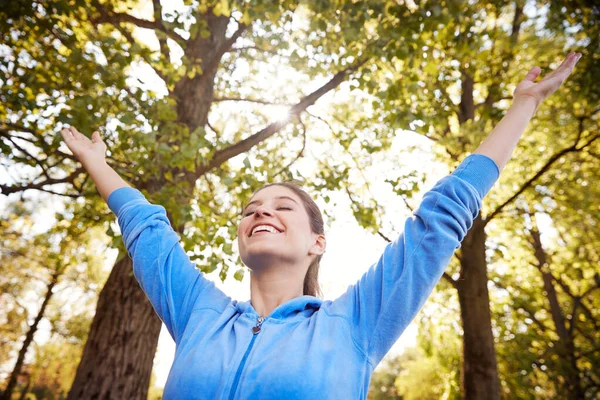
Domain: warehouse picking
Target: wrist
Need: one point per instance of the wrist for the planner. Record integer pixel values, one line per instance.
(92, 166)
(527, 104)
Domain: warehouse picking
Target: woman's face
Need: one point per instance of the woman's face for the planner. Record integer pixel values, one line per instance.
(294, 242)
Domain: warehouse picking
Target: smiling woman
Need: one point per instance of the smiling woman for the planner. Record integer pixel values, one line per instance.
(291, 260)
(286, 342)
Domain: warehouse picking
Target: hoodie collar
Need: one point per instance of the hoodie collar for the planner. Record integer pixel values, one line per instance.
(291, 309)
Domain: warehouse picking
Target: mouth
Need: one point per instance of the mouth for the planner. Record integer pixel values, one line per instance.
(259, 233)
(264, 229)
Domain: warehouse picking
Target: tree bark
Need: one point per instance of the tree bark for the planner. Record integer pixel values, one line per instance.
(118, 356)
(480, 369)
(12, 380)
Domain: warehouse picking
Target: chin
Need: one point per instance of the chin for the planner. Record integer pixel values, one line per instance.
(256, 259)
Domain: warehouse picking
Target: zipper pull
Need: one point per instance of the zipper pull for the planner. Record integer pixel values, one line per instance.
(256, 329)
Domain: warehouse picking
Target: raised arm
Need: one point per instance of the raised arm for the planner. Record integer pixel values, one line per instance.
(388, 296)
(501, 142)
(164, 271)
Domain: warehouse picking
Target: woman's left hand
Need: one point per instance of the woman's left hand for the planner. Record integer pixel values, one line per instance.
(529, 90)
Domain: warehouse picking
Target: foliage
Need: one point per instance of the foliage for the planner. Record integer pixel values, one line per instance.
(77, 62)
(31, 259)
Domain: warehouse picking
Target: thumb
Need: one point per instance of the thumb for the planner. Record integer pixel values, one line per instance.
(533, 73)
(96, 137)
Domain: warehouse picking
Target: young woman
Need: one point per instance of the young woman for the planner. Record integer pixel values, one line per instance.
(285, 342)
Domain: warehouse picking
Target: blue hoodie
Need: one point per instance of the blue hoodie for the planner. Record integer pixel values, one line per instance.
(306, 348)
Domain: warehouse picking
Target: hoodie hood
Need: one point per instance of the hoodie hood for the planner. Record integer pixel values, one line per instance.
(296, 308)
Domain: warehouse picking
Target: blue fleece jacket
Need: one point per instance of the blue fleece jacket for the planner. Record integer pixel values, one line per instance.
(306, 348)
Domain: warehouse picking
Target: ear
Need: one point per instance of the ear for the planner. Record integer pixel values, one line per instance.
(319, 246)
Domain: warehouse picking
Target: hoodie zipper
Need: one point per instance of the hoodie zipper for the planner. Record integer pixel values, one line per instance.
(255, 330)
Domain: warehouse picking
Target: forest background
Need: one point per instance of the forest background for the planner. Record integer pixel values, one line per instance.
(369, 103)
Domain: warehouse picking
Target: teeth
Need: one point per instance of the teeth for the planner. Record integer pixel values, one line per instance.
(264, 227)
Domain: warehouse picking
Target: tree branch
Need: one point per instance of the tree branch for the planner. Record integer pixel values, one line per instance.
(223, 48)
(567, 290)
(114, 18)
(449, 279)
(242, 146)
(522, 307)
(132, 41)
(358, 167)
(164, 48)
(219, 99)
(217, 133)
(8, 189)
(300, 153)
(237, 49)
(9, 126)
(28, 155)
(542, 170)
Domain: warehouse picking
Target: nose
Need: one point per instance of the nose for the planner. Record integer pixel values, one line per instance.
(260, 210)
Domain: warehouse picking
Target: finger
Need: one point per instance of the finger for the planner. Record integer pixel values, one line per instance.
(548, 86)
(563, 74)
(76, 133)
(565, 68)
(66, 134)
(567, 63)
(533, 73)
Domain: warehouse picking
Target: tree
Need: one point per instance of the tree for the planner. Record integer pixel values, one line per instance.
(552, 302)
(456, 90)
(48, 257)
(382, 381)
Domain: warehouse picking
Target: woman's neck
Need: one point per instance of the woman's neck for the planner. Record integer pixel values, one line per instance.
(269, 290)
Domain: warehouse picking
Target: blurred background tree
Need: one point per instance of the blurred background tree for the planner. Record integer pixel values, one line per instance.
(63, 267)
(543, 319)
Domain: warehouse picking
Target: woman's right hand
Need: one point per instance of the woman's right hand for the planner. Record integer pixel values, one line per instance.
(88, 152)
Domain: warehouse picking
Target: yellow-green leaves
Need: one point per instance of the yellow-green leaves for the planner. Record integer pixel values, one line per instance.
(222, 8)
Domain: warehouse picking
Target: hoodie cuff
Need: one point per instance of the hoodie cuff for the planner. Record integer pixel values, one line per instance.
(119, 197)
(480, 171)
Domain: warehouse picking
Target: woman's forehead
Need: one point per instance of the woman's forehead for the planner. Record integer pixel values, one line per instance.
(274, 192)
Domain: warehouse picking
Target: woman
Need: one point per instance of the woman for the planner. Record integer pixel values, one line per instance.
(285, 343)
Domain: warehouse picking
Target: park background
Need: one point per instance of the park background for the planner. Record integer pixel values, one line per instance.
(369, 103)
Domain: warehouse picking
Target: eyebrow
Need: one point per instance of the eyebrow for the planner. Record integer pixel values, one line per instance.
(278, 197)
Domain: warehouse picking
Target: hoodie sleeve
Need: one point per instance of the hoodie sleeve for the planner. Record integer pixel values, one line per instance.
(390, 294)
(164, 271)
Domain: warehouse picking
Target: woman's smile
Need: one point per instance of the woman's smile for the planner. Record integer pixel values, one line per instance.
(261, 232)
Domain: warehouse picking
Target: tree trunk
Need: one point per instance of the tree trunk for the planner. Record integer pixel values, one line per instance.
(118, 355)
(12, 381)
(480, 370)
(566, 344)
(26, 390)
